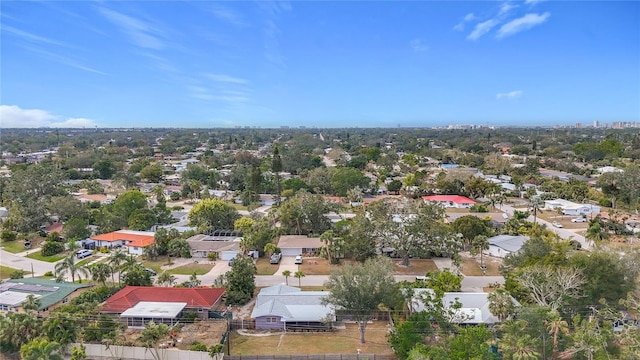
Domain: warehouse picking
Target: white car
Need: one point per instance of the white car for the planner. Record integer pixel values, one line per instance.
(298, 260)
(556, 224)
(579, 220)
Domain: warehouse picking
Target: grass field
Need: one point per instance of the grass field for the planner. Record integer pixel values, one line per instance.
(53, 258)
(338, 342)
(316, 266)
(199, 269)
(13, 246)
(320, 266)
(5, 272)
(264, 268)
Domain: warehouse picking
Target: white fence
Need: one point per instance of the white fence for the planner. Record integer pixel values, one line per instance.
(97, 351)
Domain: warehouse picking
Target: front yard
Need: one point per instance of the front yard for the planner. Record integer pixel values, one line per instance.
(471, 266)
(345, 341)
(320, 266)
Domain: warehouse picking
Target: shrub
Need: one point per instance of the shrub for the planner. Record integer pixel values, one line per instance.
(51, 248)
(175, 196)
(18, 274)
(478, 208)
(48, 273)
(189, 316)
(198, 347)
(212, 256)
(7, 235)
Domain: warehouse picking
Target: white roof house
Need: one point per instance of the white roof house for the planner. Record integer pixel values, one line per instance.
(281, 304)
(474, 307)
(159, 312)
(503, 245)
(571, 208)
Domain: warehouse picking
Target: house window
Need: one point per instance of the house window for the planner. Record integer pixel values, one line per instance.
(200, 310)
(65, 300)
(4, 307)
(271, 319)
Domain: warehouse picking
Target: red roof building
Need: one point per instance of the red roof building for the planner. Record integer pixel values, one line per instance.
(451, 201)
(134, 241)
(200, 299)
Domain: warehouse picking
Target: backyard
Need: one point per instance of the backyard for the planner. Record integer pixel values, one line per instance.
(344, 341)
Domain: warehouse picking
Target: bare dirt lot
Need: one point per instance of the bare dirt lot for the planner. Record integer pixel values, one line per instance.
(207, 332)
(345, 341)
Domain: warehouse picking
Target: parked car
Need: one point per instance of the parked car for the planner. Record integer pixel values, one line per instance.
(556, 224)
(81, 254)
(151, 271)
(579, 220)
(27, 244)
(298, 259)
(275, 258)
(230, 262)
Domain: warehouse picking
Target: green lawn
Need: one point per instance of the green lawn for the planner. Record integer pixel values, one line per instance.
(5, 272)
(53, 258)
(157, 263)
(13, 246)
(264, 268)
(189, 269)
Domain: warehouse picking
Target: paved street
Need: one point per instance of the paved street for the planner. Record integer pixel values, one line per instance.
(563, 233)
(21, 262)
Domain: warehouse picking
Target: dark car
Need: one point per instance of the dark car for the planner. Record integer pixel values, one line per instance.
(151, 271)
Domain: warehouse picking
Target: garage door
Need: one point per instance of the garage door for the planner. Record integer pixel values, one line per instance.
(291, 252)
(228, 255)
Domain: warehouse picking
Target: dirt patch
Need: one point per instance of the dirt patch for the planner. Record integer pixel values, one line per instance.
(345, 341)
(471, 266)
(316, 266)
(416, 267)
(207, 332)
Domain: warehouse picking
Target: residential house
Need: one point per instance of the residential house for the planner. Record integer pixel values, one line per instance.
(294, 245)
(225, 247)
(282, 307)
(570, 208)
(138, 305)
(133, 241)
(451, 201)
(50, 294)
(503, 245)
(467, 308)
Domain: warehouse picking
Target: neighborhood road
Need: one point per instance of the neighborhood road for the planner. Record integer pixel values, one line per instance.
(21, 262)
(563, 233)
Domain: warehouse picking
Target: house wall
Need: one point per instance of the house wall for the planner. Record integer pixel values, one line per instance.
(134, 250)
(228, 255)
(497, 251)
(262, 324)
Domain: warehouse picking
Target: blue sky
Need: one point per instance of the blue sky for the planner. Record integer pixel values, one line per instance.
(318, 63)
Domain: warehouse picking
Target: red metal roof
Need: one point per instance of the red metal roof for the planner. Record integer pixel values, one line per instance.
(458, 199)
(202, 297)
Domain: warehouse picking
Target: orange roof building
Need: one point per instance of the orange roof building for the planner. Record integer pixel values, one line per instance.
(134, 241)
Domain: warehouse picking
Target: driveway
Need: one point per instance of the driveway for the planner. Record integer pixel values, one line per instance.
(287, 263)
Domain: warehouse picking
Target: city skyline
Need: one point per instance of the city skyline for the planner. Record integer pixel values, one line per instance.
(266, 64)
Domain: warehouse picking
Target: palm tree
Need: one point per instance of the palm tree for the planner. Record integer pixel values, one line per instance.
(159, 192)
(536, 204)
(286, 275)
(596, 233)
(32, 303)
(270, 248)
(479, 244)
(500, 304)
(125, 179)
(166, 278)
(516, 343)
(151, 251)
(69, 265)
(41, 349)
(556, 326)
(299, 274)
(100, 272)
(115, 260)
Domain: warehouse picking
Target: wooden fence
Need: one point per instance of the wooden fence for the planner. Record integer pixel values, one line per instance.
(236, 324)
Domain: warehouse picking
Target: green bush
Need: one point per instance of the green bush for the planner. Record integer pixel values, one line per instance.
(175, 196)
(198, 347)
(48, 273)
(7, 235)
(51, 248)
(18, 274)
(478, 208)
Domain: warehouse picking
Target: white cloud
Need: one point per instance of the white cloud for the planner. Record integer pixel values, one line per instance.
(29, 36)
(15, 117)
(228, 15)
(418, 45)
(225, 78)
(482, 28)
(523, 23)
(510, 95)
(506, 7)
(460, 26)
(141, 33)
(532, 2)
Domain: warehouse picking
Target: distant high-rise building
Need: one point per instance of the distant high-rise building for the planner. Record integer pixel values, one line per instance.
(578, 125)
(596, 123)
